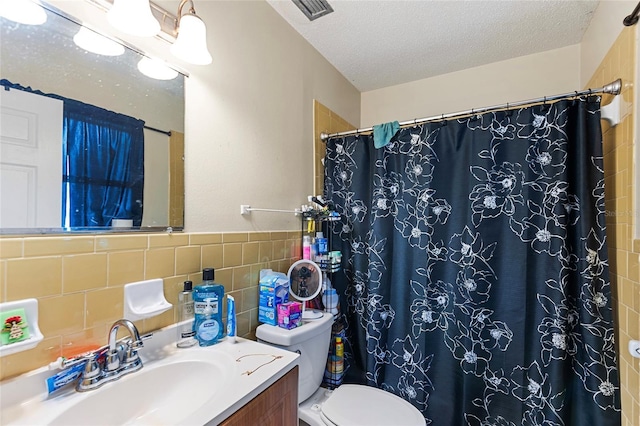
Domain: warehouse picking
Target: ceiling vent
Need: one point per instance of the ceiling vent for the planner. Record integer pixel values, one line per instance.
(313, 9)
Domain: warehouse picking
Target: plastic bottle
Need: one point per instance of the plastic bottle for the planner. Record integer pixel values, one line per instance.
(306, 247)
(322, 244)
(207, 304)
(330, 301)
(186, 333)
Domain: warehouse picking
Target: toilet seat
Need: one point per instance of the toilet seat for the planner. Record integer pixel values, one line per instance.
(358, 405)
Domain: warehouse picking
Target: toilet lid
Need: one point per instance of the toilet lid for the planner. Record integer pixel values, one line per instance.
(357, 405)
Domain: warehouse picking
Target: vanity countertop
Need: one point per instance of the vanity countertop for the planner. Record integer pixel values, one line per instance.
(204, 385)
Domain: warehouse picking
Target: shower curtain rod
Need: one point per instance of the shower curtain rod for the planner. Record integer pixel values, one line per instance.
(611, 88)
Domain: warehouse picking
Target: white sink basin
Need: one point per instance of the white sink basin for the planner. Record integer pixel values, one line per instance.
(193, 386)
(150, 396)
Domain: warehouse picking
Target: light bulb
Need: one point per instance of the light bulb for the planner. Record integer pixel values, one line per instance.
(157, 69)
(191, 43)
(133, 17)
(97, 43)
(23, 12)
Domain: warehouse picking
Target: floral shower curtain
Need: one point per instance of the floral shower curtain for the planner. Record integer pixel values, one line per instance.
(475, 281)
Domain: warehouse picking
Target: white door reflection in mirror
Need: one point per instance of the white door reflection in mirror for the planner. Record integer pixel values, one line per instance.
(30, 158)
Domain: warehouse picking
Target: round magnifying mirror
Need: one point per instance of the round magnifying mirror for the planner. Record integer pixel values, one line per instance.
(305, 283)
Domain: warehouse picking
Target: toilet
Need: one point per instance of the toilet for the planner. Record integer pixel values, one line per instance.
(351, 405)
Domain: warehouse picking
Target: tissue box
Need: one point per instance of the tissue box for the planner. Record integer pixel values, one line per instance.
(274, 290)
(289, 315)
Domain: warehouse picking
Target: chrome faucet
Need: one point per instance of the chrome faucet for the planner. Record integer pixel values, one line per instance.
(114, 360)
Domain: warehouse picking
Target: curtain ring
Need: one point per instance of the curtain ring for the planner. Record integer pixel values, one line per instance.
(415, 122)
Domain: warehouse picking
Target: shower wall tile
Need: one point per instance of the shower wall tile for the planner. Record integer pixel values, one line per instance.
(78, 280)
(618, 146)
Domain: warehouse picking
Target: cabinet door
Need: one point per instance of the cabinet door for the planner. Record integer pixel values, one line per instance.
(275, 406)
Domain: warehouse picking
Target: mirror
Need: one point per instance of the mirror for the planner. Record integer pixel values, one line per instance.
(305, 283)
(45, 58)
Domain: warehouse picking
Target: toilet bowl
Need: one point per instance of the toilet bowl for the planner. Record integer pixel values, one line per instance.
(351, 405)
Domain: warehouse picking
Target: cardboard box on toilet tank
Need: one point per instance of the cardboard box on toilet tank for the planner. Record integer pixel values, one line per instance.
(274, 290)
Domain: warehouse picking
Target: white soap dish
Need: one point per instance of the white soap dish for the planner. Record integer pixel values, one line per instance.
(30, 307)
(144, 299)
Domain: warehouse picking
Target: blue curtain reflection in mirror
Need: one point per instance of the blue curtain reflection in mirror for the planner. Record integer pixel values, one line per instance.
(103, 171)
(102, 176)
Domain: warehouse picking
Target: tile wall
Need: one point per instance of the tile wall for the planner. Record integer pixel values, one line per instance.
(79, 280)
(624, 253)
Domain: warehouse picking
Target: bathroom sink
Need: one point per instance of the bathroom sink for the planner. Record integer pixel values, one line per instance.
(194, 386)
(150, 396)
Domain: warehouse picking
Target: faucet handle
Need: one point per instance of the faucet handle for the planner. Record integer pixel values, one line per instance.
(138, 343)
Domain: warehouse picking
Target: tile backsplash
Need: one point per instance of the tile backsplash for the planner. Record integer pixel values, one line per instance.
(79, 280)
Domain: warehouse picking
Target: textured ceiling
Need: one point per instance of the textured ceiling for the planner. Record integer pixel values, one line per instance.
(382, 43)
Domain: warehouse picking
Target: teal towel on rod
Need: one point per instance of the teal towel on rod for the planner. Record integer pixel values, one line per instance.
(382, 133)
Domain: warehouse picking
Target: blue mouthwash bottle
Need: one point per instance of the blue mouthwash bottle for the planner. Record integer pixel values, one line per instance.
(207, 304)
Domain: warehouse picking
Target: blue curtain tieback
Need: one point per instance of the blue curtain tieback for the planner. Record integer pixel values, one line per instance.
(382, 133)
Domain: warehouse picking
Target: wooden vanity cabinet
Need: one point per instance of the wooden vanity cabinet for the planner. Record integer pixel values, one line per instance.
(275, 406)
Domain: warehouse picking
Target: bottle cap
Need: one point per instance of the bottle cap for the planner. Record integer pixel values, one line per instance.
(338, 339)
(319, 234)
(208, 274)
(188, 286)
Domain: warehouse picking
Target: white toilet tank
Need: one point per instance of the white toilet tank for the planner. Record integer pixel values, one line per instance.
(311, 340)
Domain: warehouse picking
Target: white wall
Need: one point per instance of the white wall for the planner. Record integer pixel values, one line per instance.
(526, 77)
(604, 29)
(249, 119)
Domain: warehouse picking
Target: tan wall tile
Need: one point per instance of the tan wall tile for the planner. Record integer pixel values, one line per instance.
(159, 263)
(188, 260)
(46, 246)
(212, 256)
(250, 297)
(104, 306)
(235, 237)
(250, 253)
(33, 277)
(61, 315)
(125, 267)
(84, 272)
(266, 251)
(225, 278)
(204, 238)
(121, 242)
(280, 235)
(279, 251)
(10, 247)
(168, 240)
(243, 277)
(232, 255)
(259, 236)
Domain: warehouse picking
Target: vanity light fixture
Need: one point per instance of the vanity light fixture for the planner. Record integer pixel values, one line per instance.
(133, 17)
(157, 69)
(191, 42)
(97, 43)
(23, 12)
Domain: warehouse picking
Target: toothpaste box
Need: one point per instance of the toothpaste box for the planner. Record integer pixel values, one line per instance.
(274, 290)
(289, 315)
